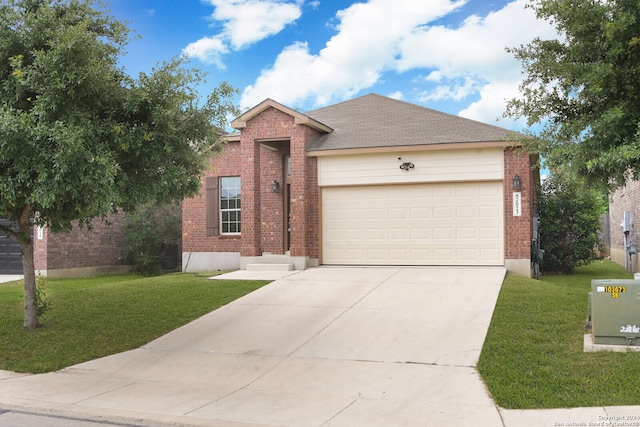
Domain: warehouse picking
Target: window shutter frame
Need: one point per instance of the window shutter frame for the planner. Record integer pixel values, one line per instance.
(212, 197)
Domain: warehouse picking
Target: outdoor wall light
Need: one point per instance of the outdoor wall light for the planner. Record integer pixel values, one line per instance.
(517, 183)
(406, 166)
(275, 186)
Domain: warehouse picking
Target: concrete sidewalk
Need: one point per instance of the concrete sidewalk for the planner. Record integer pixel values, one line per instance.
(321, 347)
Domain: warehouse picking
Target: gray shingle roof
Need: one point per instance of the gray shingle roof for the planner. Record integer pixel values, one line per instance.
(373, 121)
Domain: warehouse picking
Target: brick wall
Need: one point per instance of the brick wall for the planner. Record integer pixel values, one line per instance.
(263, 228)
(101, 246)
(626, 198)
(518, 229)
(310, 227)
(259, 165)
(40, 260)
(194, 228)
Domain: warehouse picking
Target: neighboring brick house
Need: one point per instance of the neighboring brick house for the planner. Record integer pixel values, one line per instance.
(623, 234)
(370, 181)
(82, 252)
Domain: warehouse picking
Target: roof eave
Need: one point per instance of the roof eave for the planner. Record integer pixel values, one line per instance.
(405, 148)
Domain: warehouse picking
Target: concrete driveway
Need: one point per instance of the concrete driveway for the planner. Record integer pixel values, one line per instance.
(321, 347)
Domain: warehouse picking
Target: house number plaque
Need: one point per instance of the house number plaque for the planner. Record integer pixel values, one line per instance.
(517, 203)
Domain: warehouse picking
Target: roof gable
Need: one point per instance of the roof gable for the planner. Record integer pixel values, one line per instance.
(375, 121)
(299, 118)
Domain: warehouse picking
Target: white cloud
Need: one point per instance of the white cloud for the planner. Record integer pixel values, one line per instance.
(468, 61)
(245, 22)
(492, 103)
(475, 50)
(453, 89)
(364, 47)
(207, 50)
(396, 95)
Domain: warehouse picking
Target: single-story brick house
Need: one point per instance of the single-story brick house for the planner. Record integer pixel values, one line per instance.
(82, 252)
(369, 181)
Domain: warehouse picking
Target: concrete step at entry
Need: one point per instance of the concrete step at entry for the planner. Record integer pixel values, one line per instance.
(270, 267)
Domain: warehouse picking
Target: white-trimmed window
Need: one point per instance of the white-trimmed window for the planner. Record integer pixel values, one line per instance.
(230, 219)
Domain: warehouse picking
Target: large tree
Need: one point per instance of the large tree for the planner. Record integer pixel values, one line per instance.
(583, 88)
(79, 138)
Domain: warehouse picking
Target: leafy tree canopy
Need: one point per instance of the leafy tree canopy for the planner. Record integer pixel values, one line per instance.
(583, 88)
(79, 138)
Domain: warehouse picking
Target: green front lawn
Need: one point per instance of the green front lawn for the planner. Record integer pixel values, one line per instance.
(95, 317)
(533, 354)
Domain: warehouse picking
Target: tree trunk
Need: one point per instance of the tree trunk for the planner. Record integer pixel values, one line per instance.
(28, 266)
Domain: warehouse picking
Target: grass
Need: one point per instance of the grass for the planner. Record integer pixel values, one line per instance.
(95, 317)
(533, 355)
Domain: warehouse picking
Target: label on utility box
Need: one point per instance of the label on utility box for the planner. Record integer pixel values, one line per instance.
(615, 291)
(630, 329)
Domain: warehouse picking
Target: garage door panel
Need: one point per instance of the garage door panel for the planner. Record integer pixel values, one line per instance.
(398, 255)
(488, 255)
(416, 224)
(421, 234)
(443, 234)
(468, 255)
(398, 213)
(469, 233)
(350, 214)
(467, 212)
(377, 234)
(490, 233)
(442, 191)
(442, 213)
(443, 256)
(400, 234)
(490, 212)
(420, 213)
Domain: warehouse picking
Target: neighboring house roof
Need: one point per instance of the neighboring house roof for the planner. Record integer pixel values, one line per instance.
(375, 121)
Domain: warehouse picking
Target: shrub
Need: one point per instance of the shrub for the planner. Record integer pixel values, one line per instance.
(151, 232)
(569, 215)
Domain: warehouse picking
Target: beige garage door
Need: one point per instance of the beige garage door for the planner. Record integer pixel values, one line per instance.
(417, 224)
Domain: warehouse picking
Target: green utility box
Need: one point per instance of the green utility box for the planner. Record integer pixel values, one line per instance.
(614, 312)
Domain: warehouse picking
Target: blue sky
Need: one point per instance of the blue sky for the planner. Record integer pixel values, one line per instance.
(443, 54)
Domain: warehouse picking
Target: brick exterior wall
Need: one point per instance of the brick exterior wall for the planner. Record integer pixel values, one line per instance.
(101, 246)
(518, 229)
(626, 198)
(259, 165)
(262, 228)
(305, 226)
(194, 233)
